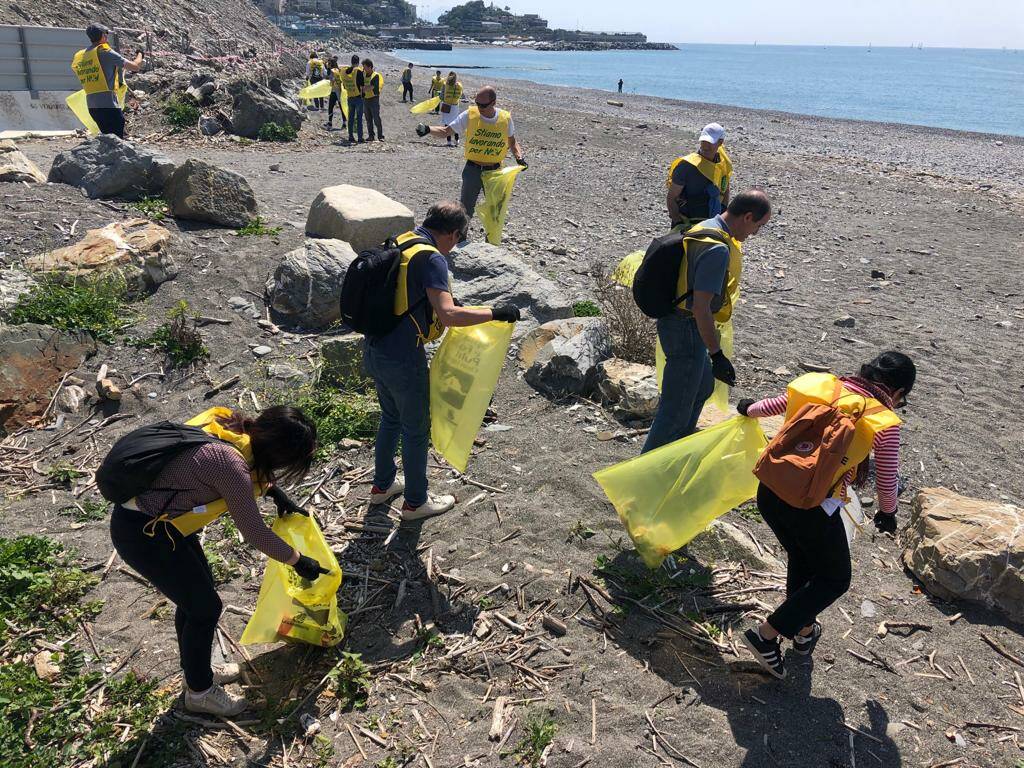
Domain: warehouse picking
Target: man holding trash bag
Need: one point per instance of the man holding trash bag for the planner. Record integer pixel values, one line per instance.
(397, 361)
(101, 71)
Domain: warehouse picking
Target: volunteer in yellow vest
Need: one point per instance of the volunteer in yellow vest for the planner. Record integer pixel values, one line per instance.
(407, 82)
(451, 95)
(397, 361)
(155, 533)
(709, 279)
(815, 539)
(436, 84)
(337, 93)
(316, 71)
(698, 184)
(101, 71)
(352, 82)
(373, 86)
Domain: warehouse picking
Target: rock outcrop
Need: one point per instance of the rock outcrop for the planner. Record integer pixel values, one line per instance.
(631, 388)
(199, 191)
(15, 167)
(361, 217)
(106, 167)
(565, 362)
(305, 289)
(13, 285)
(254, 105)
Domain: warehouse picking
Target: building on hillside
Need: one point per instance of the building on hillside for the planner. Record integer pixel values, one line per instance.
(532, 21)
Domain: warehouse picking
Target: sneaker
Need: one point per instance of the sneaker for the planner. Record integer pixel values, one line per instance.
(215, 701)
(226, 673)
(432, 507)
(805, 645)
(379, 496)
(767, 653)
(380, 138)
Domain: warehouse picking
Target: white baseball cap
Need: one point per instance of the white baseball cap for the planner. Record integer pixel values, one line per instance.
(712, 133)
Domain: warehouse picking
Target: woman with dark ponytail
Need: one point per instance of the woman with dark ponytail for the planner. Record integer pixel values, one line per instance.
(814, 536)
(225, 467)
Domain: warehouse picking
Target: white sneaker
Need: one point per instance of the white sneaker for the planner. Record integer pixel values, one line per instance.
(215, 701)
(432, 507)
(383, 497)
(226, 673)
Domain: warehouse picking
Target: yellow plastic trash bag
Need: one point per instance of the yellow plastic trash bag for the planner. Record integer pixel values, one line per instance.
(79, 107)
(425, 106)
(291, 608)
(463, 375)
(668, 496)
(319, 90)
(626, 270)
(497, 193)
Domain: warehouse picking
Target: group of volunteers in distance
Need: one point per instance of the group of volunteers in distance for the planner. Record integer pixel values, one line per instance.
(185, 476)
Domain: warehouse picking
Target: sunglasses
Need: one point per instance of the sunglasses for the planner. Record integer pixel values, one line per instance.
(484, 106)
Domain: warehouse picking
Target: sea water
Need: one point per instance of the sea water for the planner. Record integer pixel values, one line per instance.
(962, 89)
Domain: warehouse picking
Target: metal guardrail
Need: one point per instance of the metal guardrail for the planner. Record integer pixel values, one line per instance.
(39, 58)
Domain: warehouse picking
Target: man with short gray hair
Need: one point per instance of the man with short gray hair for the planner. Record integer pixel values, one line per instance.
(101, 71)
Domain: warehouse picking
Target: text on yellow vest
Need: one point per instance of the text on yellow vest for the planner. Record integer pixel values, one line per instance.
(821, 388)
(316, 68)
(368, 81)
(87, 67)
(201, 516)
(434, 330)
(451, 93)
(348, 80)
(695, 242)
(718, 173)
(487, 143)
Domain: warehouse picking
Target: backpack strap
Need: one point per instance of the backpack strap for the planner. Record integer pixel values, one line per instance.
(693, 234)
(392, 243)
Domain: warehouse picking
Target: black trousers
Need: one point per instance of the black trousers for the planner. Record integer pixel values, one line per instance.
(177, 567)
(818, 571)
(331, 104)
(109, 120)
(371, 109)
(406, 90)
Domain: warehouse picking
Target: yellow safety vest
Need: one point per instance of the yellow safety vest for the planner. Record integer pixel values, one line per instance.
(451, 94)
(824, 389)
(731, 287)
(348, 79)
(436, 85)
(86, 65)
(487, 143)
(718, 173)
(368, 85)
(337, 81)
(201, 516)
(435, 329)
(316, 68)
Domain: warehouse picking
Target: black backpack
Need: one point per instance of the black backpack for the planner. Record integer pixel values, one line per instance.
(368, 291)
(136, 460)
(654, 285)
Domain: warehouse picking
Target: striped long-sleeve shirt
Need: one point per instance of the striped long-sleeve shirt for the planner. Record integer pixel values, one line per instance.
(885, 447)
(204, 474)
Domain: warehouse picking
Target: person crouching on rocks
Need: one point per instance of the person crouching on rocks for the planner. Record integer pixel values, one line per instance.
(803, 488)
(226, 464)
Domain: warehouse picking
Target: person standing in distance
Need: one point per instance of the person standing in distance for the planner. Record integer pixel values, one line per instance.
(620, 85)
(373, 86)
(698, 183)
(451, 95)
(352, 82)
(337, 93)
(709, 277)
(101, 71)
(407, 82)
(397, 361)
(436, 84)
(490, 135)
(314, 74)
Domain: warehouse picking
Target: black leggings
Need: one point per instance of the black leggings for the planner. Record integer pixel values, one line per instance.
(406, 90)
(182, 574)
(108, 120)
(331, 104)
(818, 571)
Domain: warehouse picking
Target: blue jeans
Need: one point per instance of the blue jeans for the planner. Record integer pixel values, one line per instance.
(403, 390)
(355, 115)
(686, 384)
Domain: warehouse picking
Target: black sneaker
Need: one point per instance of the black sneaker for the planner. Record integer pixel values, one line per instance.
(767, 653)
(805, 645)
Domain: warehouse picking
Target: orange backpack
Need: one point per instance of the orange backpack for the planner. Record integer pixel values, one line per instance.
(807, 459)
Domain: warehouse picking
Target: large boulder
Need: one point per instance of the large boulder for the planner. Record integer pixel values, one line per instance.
(253, 106)
(137, 250)
(342, 359)
(305, 289)
(203, 192)
(725, 542)
(107, 166)
(361, 217)
(487, 274)
(967, 549)
(33, 360)
(14, 166)
(13, 285)
(632, 388)
(565, 364)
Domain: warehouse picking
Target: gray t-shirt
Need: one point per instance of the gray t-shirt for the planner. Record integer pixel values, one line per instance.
(112, 64)
(708, 271)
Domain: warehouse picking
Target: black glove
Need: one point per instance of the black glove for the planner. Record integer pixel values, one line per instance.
(743, 406)
(722, 369)
(308, 568)
(422, 130)
(885, 523)
(506, 313)
(285, 506)
(522, 162)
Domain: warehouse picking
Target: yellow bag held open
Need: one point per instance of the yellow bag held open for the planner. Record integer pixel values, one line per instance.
(291, 608)
(463, 375)
(669, 495)
(493, 209)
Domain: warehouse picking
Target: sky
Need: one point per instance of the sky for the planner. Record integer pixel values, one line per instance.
(935, 23)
